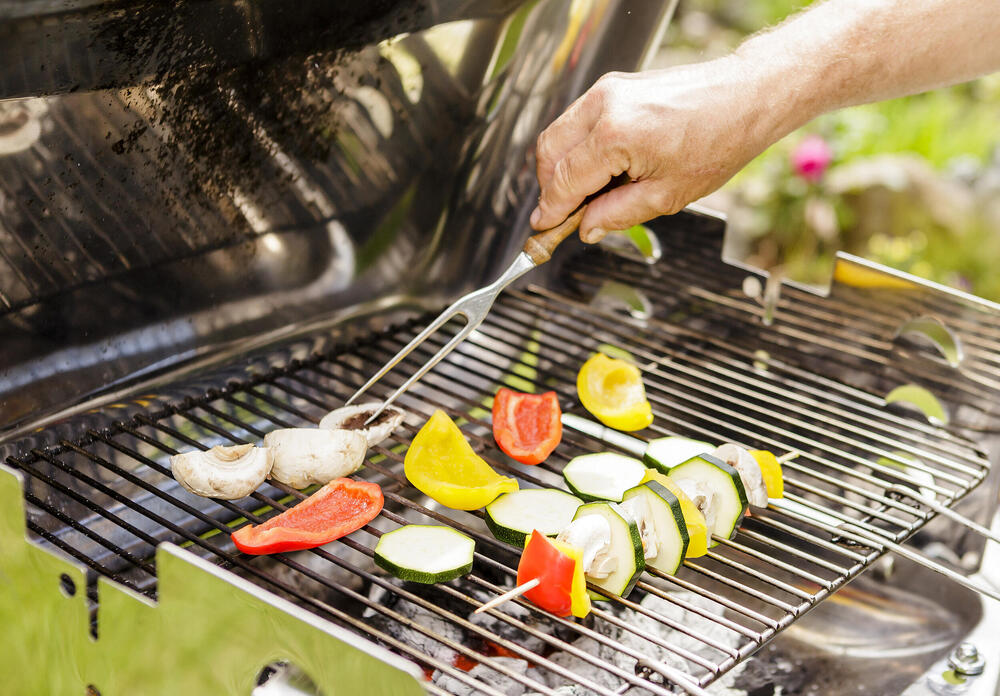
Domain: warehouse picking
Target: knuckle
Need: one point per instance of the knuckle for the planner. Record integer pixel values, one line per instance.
(544, 147)
(563, 178)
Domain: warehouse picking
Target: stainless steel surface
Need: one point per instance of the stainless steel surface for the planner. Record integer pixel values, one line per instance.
(201, 610)
(99, 486)
(965, 659)
(472, 307)
(188, 179)
(214, 217)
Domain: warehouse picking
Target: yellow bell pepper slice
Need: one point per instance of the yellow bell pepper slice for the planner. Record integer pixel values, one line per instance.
(612, 390)
(695, 521)
(771, 469)
(441, 464)
(579, 597)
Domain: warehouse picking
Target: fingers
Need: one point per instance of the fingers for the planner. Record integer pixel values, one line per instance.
(564, 134)
(583, 171)
(622, 207)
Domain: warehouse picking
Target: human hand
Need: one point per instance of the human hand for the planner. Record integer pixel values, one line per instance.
(678, 134)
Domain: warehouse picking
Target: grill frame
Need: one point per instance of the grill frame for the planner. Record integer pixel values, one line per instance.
(237, 412)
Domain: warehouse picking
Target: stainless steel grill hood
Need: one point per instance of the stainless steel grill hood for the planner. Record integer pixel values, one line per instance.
(183, 175)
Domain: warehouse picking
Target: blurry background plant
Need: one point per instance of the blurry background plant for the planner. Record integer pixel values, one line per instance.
(913, 183)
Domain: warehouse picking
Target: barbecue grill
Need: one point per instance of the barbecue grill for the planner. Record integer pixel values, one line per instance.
(206, 235)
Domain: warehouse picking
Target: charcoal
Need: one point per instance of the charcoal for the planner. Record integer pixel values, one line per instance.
(487, 675)
(437, 625)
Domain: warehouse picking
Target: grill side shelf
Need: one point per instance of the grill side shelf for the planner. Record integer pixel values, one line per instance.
(209, 631)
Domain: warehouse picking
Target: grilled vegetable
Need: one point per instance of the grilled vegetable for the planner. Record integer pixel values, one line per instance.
(558, 566)
(658, 515)
(441, 464)
(612, 390)
(513, 516)
(354, 417)
(304, 456)
(603, 476)
(222, 472)
(526, 426)
(425, 553)
(718, 491)
(665, 452)
(770, 470)
(340, 507)
(749, 470)
(694, 521)
(625, 548)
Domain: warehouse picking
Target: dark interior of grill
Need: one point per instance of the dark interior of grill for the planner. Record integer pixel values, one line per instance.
(99, 488)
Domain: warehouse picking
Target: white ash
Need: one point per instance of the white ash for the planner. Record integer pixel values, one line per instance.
(496, 680)
(689, 619)
(520, 613)
(437, 625)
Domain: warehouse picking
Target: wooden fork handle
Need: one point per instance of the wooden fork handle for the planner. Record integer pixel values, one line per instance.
(540, 246)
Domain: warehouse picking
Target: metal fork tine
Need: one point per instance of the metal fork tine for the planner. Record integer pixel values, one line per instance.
(426, 367)
(441, 320)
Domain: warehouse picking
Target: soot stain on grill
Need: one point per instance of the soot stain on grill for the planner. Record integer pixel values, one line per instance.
(209, 78)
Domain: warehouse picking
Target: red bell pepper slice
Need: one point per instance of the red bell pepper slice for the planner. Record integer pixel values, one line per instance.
(340, 507)
(527, 426)
(554, 569)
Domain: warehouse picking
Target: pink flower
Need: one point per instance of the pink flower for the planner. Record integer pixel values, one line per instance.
(811, 158)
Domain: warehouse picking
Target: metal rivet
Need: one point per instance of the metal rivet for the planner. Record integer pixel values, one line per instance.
(965, 659)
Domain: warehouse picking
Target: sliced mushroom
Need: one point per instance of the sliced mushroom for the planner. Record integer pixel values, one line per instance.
(303, 456)
(591, 534)
(703, 497)
(354, 417)
(222, 472)
(749, 470)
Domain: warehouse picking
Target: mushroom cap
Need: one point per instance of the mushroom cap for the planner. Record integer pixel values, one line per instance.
(353, 418)
(226, 472)
(303, 456)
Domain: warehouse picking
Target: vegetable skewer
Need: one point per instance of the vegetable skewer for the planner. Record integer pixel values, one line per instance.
(509, 595)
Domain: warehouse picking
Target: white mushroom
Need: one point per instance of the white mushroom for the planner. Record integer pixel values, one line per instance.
(591, 534)
(222, 472)
(303, 456)
(749, 470)
(703, 498)
(354, 417)
(638, 507)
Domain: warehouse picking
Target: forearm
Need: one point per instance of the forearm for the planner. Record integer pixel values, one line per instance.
(846, 52)
(681, 133)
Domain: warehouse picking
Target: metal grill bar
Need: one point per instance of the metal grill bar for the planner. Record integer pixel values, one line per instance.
(731, 601)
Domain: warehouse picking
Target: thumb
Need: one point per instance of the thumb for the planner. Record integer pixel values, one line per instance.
(620, 208)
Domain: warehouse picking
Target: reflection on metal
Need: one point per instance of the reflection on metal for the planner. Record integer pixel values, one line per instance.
(210, 632)
(859, 273)
(638, 243)
(619, 297)
(20, 125)
(919, 398)
(940, 336)
(772, 295)
(910, 473)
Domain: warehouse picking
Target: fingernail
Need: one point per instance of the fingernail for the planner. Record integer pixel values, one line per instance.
(536, 215)
(594, 235)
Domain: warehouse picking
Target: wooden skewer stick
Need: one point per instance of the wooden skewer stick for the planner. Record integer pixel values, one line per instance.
(788, 457)
(509, 595)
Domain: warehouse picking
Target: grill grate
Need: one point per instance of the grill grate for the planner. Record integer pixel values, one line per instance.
(106, 497)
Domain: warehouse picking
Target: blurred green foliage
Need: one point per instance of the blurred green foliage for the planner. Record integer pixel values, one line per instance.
(907, 186)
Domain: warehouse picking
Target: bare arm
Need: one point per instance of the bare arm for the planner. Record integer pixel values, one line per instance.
(681, 133)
